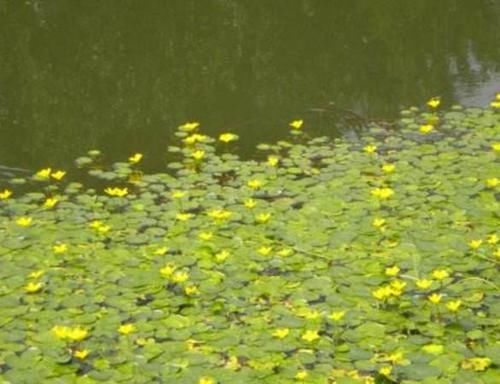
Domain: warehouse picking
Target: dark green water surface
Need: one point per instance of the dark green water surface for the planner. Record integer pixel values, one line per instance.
(121, 75)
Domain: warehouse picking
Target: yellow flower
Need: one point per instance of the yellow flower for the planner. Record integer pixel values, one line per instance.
(496, 147)
(476, 363)
(297, 124)
(103, 229)
(206, 380)
(370, 148)
(222, 256)
(281, 333)
(263, 217)
(310, 335)
(285, 252)
(396, 357)
(50, 202)
(434, 102)
(190, 126)
(24, 221)
(167, 270)
(440, 274)
(60, 331)
(227, 137)
(160, 251)
(184, 216)
(32, 287)
(205, 236)
(36, 274)
(273, 160)
(198, 154)
(43, 173)
(58, 175)
(180, 277)
(492, 239)
(308, 313)
(233, 363)
(301, 375)
(60, 248)
(492, 182)
(219, 214)
(475, 244)
(119, 192)
(77, 334)
(73, 334)
(178, 194)
(126, 329)
(497, 253)
(385, 371)
(135, 158)
(250, 203)
(191, 290)
(81, 354)
(392, 271)
(388, 168)
(255, 183)
(382, 293)
(495, 104)
(195, 138)
(99, 226)
(337, 315)
(454, 305)
(435, 298)
(378, 222)
(424, 283)
(433, 349)
(397, 287)
(5, 194)
(264, 251)
(95, 224)
(382, 193)
(426, 128)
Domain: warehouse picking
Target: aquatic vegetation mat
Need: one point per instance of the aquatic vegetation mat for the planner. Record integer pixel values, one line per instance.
(322, 261)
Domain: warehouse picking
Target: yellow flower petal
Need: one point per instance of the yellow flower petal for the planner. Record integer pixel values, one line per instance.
(81, 354)
(297, 124)
(435, 298)
(24, 221)
(263, 218)
(43, 173)
(370, 148)
(281, 333)
(5, 194)
(440, 274)
(228, 137)
(310, 336)
(426, 128)
(58, 175)
(135, 158)
(60, 248)
(388, 168)
(126, 329)
(32, 287)
(434, 102)
(189, 126)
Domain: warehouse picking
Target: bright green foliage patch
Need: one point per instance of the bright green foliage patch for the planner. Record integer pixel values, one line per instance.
(328, 261)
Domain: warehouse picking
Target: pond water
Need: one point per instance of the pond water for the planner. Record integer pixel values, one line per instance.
(121, 75)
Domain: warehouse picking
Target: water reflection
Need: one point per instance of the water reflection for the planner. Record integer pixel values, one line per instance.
(121, 75)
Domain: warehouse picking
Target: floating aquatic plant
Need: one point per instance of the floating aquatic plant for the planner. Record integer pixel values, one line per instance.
(324, 261)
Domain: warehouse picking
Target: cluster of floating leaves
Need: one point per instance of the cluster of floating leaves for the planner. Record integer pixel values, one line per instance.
(322, 261)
